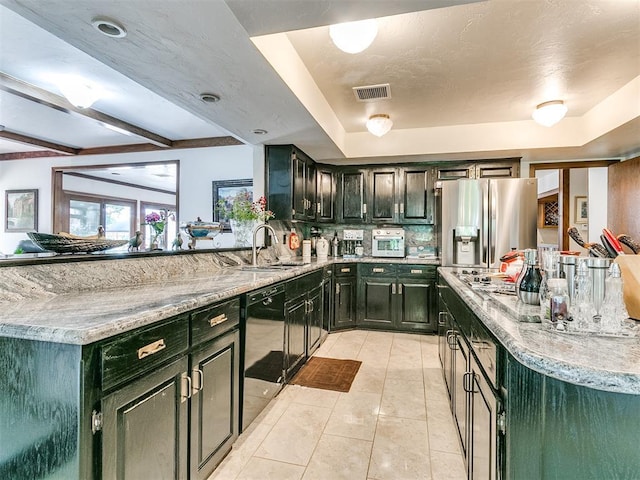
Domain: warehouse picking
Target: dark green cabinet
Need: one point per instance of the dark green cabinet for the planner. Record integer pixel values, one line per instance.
(344, 301)
(215, 391)
(315, 302)
(325, 194)
(352, 206)
(295, 337)
(291, 183)
(499, 168)
(145, 426)
(397, 297)
(417, 195)
(327, 300)
(383, 196)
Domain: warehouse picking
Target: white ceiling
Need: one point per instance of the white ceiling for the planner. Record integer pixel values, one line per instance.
(464, 78)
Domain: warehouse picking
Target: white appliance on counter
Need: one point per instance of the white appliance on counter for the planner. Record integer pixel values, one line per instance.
(483, 219)
(387, 242)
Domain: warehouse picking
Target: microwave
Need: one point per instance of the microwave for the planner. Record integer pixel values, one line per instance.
(387, 242)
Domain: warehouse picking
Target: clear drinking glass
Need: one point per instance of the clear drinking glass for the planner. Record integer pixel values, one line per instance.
(550, 263)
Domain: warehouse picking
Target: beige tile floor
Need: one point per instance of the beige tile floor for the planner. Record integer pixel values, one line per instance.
(394, 424)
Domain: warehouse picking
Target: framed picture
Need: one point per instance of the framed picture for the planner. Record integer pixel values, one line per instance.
(581, 214)
(226, 190)
(21, 211)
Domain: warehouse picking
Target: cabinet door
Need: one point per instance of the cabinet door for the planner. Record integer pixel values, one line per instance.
(417, 199)
(454, 172)
(383, 195)
(414, 310)
(310, 190)
(344, 307)
(498, 170)
(460, 397)
(483, 441)
(314, 317)
(145, 426)
(325, 195)
(215, 375)
(295, 335)
(375, 302)
(352, 205)
(299, 167)
(327, 304)
(279, 187)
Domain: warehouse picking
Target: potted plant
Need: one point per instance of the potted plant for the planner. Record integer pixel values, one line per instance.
(244, 214)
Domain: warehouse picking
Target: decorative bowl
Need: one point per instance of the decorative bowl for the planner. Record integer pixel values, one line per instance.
(73, 244)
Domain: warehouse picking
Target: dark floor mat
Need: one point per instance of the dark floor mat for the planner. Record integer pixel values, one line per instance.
(327, 373)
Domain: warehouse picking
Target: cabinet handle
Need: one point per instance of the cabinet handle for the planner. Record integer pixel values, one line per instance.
(337, 289)
(150, 349)
(267, 301)
(440, 321)
(318, 209)
(311, 306)
(416, 271)
(465, 382)
(185, 391)
(399, 289)
(402, 208)
(217, 320)
(345, 270)
(393, 289)
(395, 208)
(378, 270)
(195, 388)
(364, 208)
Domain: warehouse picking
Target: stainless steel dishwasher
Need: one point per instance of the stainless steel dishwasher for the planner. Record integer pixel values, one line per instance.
(263, 336)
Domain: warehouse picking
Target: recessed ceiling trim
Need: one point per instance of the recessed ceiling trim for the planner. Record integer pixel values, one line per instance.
(372, 93)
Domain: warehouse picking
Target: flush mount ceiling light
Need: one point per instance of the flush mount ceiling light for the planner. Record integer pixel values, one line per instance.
(260, 131)
(79, 93)
(354, 37)
(549, 113)
(209, 97)
(379, 124)
(109, 27)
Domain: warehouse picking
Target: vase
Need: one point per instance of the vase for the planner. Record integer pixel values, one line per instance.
(242, 230)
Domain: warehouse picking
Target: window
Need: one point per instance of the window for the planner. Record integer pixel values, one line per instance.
(116, 216)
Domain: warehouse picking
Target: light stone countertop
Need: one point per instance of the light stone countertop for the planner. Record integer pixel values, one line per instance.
(599, 362)
(93, 314)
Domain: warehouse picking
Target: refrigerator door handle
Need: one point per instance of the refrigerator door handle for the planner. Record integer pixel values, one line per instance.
(493, 220)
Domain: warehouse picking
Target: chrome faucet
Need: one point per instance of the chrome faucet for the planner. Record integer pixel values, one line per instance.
(254, 250)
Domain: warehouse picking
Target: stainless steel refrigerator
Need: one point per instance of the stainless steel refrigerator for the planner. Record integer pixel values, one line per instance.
(481, 220)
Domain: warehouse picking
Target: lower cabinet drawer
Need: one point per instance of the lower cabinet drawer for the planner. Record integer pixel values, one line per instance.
(215, 320)
(422, 271)
(129, 356)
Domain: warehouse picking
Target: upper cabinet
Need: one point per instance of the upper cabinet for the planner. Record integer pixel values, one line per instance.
(300, 189)
(352, 203)
(325, 194)
(291, 183)
(503, 168)
(401, 195)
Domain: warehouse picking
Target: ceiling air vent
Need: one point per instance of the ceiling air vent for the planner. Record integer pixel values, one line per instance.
(372, 93)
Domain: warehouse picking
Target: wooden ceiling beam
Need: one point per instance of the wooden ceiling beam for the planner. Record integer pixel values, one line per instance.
(138, 147)
(35, 94)
(54, 148)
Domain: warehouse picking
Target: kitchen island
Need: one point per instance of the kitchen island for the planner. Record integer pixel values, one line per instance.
(533, 403)
(564, 406)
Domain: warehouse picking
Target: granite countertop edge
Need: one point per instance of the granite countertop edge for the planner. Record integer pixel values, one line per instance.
(565, 357)
(48, 319)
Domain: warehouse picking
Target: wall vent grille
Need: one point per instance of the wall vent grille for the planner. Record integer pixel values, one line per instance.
(372, 93)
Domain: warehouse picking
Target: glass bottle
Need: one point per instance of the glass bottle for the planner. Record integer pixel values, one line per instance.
(582, 309)
(528, 287)
(559, 304)
(614, 311)
(550, 269)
